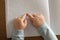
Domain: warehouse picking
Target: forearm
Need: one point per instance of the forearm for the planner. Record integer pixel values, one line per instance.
(18, 35)
(46, 32)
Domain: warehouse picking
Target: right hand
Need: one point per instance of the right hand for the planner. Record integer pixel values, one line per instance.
(36, 19)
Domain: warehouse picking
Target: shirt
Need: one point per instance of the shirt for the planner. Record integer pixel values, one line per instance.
(45, 31)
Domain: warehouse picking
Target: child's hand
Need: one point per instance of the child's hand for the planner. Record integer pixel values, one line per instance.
(20, 23)
(36, 19)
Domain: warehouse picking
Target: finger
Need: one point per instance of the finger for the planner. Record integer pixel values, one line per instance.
(35, 15)
(25, 22)
(29, 15)
(23, 17)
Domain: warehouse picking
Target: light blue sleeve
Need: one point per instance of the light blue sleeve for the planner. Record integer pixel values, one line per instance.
(18, 35)
(46, 32)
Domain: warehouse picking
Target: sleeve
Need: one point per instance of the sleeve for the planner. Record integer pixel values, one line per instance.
(18, 35)
(46, 32)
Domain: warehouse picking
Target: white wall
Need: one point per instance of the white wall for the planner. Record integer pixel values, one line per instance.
(55, 15)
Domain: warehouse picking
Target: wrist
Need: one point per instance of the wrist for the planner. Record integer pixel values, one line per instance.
(18, 32)
(41, 25)
(19, 28)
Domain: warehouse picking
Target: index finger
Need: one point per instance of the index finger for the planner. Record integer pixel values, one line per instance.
(23, 17)
(30, 16)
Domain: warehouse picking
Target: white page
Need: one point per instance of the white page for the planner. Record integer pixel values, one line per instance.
(15, 8)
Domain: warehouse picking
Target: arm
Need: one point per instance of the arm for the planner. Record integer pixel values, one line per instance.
(38, 21)
(20, 24)
(46, 32)
(18, 35)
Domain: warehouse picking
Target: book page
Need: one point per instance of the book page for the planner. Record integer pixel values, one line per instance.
(15, 8)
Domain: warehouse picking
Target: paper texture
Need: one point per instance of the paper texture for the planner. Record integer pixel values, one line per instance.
(15, 8)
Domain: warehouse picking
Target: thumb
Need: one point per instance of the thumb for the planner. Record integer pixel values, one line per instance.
(25, 22)
(23, 17)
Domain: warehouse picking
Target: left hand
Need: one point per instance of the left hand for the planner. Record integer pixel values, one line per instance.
(20, 23)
